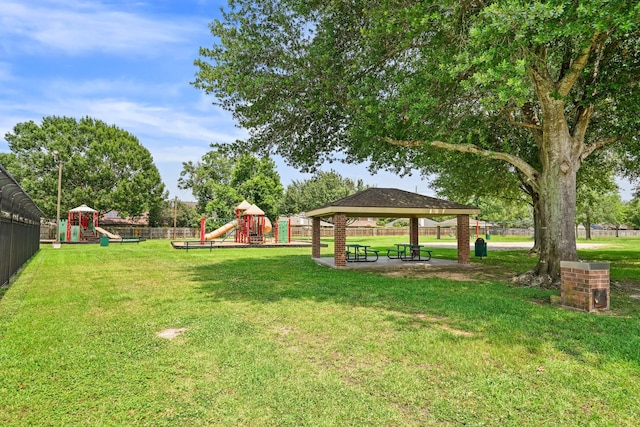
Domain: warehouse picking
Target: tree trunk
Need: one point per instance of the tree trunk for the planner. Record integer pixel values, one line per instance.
(536, 223)
(559, 155)
(558, 242)
(587, 229)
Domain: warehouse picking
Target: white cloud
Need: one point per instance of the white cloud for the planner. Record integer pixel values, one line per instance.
(175, 127)
(80, 27)
(186, 153)
(57, 88)
(5, 72)
(165, 131)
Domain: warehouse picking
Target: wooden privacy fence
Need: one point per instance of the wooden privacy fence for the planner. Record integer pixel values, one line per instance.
(181, 233)
(19, 227)
(304, 232)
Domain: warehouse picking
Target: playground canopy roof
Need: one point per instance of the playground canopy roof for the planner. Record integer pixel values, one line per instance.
(83, 208)
(391, 202)
(253, 210)
(244, 205)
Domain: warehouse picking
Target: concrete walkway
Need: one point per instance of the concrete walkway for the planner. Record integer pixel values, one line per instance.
(389, 264)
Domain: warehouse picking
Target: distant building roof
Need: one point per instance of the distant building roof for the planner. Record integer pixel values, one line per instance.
(422, 222)
(472, 223)
(362, 222)
(428, 222)
(114, 218)
(392, 202)
(301, 220)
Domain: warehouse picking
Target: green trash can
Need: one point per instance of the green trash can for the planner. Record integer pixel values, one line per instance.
(104, 241)
(481, 248)
(488, 236)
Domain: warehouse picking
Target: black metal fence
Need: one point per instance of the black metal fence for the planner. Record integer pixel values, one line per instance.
(19, 227)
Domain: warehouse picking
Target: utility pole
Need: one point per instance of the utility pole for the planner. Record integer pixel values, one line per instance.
(175, 216)
(56, 244)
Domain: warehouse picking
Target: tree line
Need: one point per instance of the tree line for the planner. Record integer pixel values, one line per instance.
(109, 169)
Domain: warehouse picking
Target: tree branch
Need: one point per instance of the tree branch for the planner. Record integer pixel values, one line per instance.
(530, 116)
(566, 60)
(590, 148)
(521, 124)
(568, 80)
(583, 117)
(531, 173)
(581, 124)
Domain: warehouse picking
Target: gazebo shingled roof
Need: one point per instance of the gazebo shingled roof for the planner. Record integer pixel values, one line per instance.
(392, 202)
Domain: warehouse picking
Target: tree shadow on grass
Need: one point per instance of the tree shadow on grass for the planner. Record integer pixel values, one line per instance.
(491, 310)
(624, 264)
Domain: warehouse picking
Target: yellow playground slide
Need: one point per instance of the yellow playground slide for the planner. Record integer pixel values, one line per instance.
(221, 231)
(106, 233)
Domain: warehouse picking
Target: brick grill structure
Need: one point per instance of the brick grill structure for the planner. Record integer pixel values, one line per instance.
(585, 286)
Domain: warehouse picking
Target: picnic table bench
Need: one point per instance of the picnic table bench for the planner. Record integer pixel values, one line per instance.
(409, 252)
(130, 239)
(360, 253)
(197, 244)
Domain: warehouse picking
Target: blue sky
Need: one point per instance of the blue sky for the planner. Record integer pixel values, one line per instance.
(129, 64)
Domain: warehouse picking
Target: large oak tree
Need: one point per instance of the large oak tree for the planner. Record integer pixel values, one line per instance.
(103, 166)
(221, 180)
(396, 82)
(320, 189)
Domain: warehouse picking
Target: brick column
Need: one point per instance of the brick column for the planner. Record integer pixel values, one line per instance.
(464, 252)
(315, 237)
(413, 231)
(584, 285)
(339, 239)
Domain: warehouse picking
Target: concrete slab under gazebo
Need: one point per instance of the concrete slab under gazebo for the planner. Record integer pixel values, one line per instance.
(390, 203)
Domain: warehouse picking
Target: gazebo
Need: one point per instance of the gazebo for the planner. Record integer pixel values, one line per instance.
(394, 203)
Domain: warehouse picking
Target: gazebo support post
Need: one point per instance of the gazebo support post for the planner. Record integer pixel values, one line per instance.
(339, 239)
(315, 237)
(413, 231)
(464, 252)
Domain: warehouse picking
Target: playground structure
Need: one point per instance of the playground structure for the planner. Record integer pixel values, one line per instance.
(250, 226)
(80, 225)
(253, 224)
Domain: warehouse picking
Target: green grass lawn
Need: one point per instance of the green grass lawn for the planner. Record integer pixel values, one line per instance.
(273, 339)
